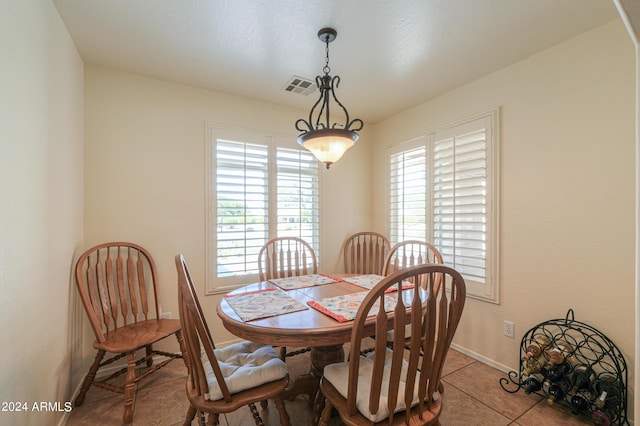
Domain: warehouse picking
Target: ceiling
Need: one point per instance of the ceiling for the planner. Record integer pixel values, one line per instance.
(390, 55)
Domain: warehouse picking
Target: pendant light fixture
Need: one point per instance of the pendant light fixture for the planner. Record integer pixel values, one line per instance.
(327, 140)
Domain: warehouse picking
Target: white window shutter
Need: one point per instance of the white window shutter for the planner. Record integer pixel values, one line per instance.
(241, 206)
(297, 196)
(408, 195)
(460, 202)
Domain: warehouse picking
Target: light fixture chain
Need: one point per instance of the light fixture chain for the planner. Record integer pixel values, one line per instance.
(326, 68)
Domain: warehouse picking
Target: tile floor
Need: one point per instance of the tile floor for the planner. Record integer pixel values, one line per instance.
(473, 396)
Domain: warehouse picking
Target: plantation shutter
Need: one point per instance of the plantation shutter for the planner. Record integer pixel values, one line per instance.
(460, 198)
(241, 206)
(408, 195)
(297, 195)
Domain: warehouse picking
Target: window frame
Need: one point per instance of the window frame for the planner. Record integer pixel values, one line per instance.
(273, 142)
(489, 290)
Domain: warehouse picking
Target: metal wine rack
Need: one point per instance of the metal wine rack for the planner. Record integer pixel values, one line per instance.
(590, 347)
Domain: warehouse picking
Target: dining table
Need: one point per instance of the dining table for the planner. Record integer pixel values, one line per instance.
(304, 320)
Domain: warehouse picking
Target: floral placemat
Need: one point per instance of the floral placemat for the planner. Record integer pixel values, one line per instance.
(292, 283)
(370, 281)
(263, 304)
(344, 308)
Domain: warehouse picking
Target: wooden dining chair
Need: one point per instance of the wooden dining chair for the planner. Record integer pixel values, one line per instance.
(394, 386)
(403, 255)
(409, 253)
(118, 285)
(284, 257)
(365, 252)
(221, 380)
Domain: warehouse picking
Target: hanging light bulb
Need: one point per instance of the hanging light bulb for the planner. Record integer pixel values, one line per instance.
(326, 140)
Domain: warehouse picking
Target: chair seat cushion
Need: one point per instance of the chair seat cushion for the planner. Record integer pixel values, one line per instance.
(244, 365)
(407, 333)
(338, 375)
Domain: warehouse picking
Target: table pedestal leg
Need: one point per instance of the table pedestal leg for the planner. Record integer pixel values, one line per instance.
(309, 384)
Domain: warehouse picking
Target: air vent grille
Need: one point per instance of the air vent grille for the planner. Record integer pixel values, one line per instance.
(300, 85)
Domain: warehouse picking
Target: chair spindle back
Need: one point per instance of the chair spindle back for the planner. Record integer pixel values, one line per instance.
(365, 253)
(197, 336)
(286, 257)
(118, 286)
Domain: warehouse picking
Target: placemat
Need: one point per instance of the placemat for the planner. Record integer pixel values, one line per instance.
(302, 281)
(344, 308)
(370, 281)
(263, 304)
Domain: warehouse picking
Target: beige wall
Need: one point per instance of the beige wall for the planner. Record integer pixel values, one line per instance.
(41, 205)
(567, 205)
(567, 188)
(145, 172)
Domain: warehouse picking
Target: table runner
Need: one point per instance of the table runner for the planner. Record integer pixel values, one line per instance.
(263, 304)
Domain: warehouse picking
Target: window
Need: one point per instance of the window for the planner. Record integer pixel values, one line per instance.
(242, 206)
(408, 194)
(298, 207)
(256, 190)
(443, 189)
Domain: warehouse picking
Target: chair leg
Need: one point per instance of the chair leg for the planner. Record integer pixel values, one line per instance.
(202, 418)
(283, 352)
(256, 415)
(284, 416)
(213, 419)
(183, 348)
(88, 379)
(326, 414)
(130, 388)
(191, 414)
(148, 351)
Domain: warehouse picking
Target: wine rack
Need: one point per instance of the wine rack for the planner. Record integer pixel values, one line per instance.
(589, 347)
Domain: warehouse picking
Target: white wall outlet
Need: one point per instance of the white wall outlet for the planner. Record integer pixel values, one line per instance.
(167, 315)
(509, 329)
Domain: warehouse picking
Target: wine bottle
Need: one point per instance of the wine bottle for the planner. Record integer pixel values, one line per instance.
(532, 366)
(582, 377)
(558, 390)
(601, 418)
(532, 384)
(581, 401)
(557, 372)
(600, 400)
(609, 384)
(607, 403)
(559, 353)
(535, 348)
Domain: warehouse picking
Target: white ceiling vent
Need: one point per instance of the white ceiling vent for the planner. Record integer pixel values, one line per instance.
(300, 85)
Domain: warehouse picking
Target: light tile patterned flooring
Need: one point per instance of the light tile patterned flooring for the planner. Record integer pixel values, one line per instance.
(473, 396)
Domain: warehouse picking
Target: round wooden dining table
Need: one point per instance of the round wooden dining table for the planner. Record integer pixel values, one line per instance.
(306, 328)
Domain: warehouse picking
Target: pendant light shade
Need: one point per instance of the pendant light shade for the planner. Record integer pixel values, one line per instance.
(328, 145)
(327, 140)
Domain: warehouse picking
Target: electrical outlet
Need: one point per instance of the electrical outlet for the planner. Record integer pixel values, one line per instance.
(167, 315)
(508, 329)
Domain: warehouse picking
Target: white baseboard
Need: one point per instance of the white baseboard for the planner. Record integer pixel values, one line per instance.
(483, 359)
